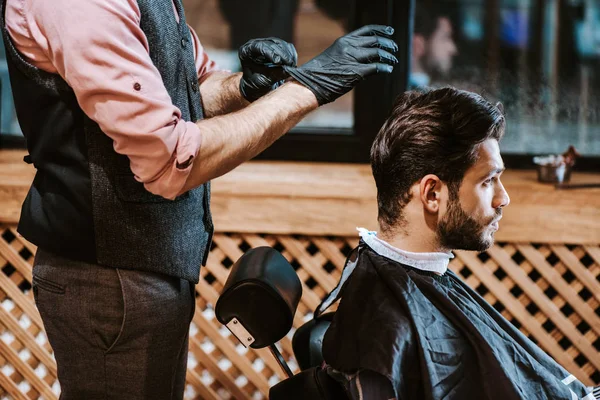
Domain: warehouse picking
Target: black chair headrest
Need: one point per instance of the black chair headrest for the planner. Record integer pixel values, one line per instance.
(261, 294)
(308, 341)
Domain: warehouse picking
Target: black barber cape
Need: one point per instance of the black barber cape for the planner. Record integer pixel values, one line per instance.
(434, 337)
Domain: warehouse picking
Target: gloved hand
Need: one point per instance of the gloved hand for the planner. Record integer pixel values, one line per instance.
(262, 65)
(350, 59)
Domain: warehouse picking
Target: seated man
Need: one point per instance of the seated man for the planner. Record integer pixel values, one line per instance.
(407, 327)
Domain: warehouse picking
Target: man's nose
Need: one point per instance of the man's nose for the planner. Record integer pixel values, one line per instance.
(453, 49)
(501, 199)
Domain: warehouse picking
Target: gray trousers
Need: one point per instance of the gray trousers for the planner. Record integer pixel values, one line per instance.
(116, 334)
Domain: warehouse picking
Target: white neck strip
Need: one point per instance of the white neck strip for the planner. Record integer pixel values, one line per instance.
(433, 262)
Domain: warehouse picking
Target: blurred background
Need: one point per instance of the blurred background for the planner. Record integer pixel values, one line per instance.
(540, 58)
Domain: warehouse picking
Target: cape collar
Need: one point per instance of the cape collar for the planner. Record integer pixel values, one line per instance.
(432, 262)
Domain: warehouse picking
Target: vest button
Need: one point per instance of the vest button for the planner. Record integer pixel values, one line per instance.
(183, 42)
(195, 86)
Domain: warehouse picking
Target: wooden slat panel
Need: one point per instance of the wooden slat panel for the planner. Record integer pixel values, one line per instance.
(30, 246)
(331, 252)
(314, 269)
(203, 391)
(21, 300)
(9, 386)
(594, 252)
(15, 260)
(547, 308)
(229, 350)
(25, 370)
(24, 337)
(561, 286)
(214, 369)
(578, 269)
(519, 312)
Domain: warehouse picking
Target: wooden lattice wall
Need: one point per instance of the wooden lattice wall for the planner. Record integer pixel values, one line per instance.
(551, 292)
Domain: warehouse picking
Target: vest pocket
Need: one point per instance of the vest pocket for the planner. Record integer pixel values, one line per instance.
(131, 191)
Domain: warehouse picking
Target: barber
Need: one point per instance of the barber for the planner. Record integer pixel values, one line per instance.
(127, 120)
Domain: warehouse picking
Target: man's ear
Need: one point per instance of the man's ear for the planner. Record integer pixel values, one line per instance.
(418, 46)
(430, 192)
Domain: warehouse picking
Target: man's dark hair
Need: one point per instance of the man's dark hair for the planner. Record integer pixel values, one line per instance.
(426, 21)
(436, 132)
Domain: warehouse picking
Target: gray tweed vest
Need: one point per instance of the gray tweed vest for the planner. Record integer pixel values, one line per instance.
(84, 202)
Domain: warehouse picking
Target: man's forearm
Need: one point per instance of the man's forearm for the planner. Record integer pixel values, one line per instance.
(220, 93)
(229, 140)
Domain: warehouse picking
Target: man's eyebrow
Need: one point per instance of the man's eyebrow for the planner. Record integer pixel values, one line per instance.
(497, 170)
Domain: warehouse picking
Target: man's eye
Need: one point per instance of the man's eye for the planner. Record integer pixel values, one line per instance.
(487, 182)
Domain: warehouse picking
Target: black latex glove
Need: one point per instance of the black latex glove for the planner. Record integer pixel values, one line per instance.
(262, 65)
(349, 60)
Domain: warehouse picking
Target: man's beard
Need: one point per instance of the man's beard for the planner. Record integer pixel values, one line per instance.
(436, 68)
(459, 231)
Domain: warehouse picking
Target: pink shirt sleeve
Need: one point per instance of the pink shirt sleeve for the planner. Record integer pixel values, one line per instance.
(204, 65)
(98, 47)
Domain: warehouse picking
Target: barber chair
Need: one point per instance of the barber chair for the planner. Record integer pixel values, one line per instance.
(258, 304)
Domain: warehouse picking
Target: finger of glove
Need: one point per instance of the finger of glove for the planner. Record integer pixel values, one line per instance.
(288, 54)
(248, 91)
(376, 56)
(378, 42)
(259, 51)
(271, 53)
(293, 55)
(376, 68)
(250, 47)
(275, 55)
(257, 86)
(370, 30)
(286, 50)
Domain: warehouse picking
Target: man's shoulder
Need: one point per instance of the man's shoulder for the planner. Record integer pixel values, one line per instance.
(369, 299)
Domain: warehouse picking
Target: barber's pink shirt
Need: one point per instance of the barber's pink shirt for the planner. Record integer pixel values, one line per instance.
(99, 49)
